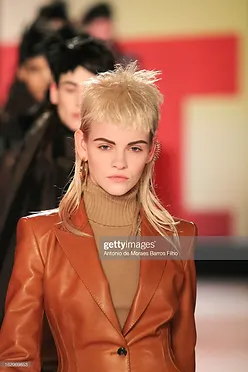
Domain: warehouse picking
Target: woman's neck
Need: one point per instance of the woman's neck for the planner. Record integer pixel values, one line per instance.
(110, 210)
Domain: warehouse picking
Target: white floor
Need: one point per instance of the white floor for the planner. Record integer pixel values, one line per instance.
(222, 326)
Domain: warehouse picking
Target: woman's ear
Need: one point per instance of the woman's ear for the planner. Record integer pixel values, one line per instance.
(151, 152)
(54, 93)
(80, 145)
(155, 150)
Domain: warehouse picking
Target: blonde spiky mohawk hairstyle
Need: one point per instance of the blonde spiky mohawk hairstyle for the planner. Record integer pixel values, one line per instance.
(126, 96)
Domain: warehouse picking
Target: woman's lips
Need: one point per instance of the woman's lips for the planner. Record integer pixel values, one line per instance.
(118, 178)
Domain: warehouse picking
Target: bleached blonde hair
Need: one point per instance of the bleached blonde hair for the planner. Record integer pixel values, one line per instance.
(124, 97)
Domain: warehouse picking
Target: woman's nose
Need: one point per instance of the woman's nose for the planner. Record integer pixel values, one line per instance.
(119, 160)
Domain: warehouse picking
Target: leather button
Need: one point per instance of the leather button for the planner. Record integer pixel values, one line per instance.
(122, 351)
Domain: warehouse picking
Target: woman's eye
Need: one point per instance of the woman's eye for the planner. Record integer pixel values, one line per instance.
(104, 147)
(136, 149)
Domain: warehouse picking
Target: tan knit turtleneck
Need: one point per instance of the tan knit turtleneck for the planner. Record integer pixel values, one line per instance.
(115, 216)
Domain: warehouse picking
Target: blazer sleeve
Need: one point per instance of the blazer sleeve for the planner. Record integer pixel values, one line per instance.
(21, 331)
(183, 328)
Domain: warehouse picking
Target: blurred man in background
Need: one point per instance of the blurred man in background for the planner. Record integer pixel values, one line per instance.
(71, 63)
(98, 21)
(27, 96)
(54, 15)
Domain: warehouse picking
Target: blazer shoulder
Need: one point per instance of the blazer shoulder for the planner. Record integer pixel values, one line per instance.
(42, 222)
(186, 228)
(187, 232)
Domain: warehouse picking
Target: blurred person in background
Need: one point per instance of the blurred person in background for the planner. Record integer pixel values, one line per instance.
(48, 155)
(54, 15)
(98, 21)
(71, 63)
(22, 130)
(27, 96)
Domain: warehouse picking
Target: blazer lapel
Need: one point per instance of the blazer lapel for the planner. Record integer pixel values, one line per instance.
(151, 272)
(82, 254)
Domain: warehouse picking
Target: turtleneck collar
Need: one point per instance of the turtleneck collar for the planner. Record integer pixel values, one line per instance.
(110, 210)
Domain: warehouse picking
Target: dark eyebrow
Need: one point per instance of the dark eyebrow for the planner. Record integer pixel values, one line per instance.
(113, 143)
(104, 140)
(137, 142)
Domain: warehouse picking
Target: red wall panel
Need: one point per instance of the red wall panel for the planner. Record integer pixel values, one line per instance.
(190, 66)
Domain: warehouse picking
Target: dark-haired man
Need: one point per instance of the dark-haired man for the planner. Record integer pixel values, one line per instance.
(71, 64)
(98, 21)
(27, 95)
(54, 15)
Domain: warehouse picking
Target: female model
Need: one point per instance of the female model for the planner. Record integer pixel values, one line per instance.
(108, 315)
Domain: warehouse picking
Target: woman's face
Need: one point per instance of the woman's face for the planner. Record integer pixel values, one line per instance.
(116, 156)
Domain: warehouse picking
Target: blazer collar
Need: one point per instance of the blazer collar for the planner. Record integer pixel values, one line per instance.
(82, 253)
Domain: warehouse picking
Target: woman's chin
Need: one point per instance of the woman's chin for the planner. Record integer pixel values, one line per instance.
(117, 189)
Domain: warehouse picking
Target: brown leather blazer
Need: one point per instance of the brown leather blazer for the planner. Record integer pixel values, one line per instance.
(60, 273)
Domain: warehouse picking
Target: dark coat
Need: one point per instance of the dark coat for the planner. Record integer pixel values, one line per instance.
(33, 176)
(19, 114)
